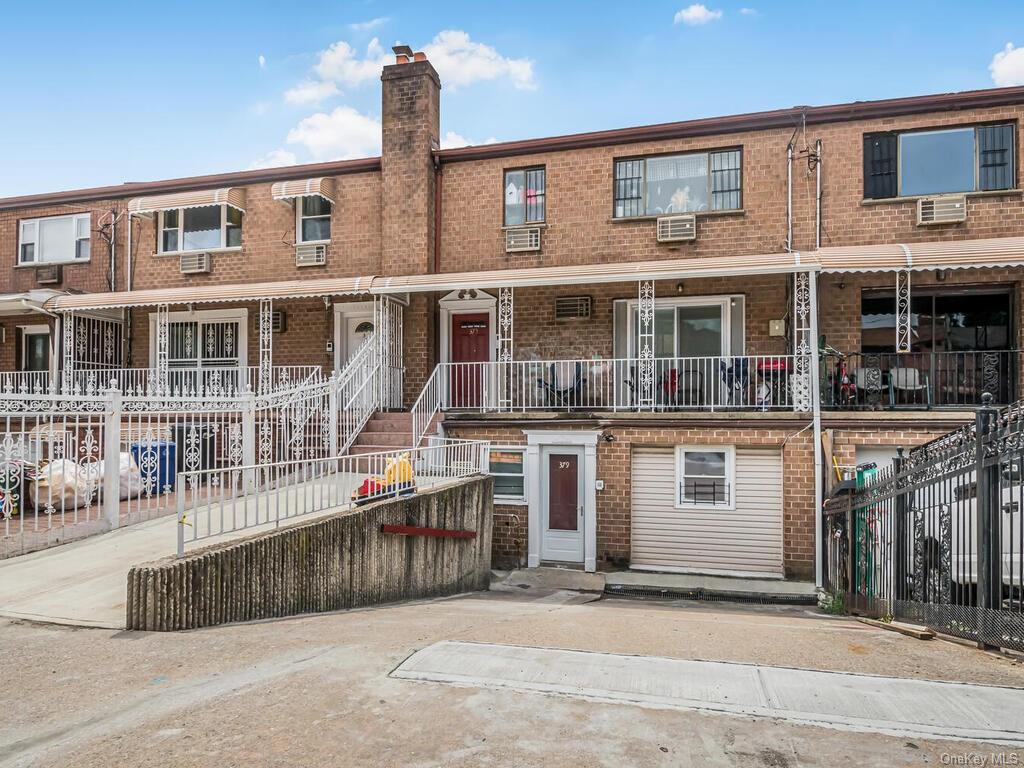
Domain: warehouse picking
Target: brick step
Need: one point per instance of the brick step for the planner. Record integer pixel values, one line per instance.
(392, 439)
(401, 417)
(358, 449)
(388, 425)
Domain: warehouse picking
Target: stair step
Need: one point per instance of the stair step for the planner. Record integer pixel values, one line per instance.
(384, 438)
(387, 426)
(357, 449)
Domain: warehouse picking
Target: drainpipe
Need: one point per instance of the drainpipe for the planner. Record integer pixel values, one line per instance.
(55, 337)
(113, 249)
(126, 352)
(789, 196)
(817, 205)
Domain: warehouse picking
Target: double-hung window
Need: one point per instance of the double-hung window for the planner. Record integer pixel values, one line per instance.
(509, 476)
(705, 476)
(54, 239)
(204, 228)
(524, 196)
(314, 219)
(965, 159)
(667, 184)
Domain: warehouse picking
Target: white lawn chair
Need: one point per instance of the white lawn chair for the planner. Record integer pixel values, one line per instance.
(910, 381)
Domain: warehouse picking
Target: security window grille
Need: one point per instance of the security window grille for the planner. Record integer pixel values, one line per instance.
(203, 344)
(314, 224)
(524, 196)
(204, 228)
(698, 181)
(914, 163)
(705, 476)
(54, 239)
(509, 475)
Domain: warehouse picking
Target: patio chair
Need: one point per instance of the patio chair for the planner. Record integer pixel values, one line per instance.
(868, 382)
(909, 381)
(735, 376)
(564, 396)
(683, 387)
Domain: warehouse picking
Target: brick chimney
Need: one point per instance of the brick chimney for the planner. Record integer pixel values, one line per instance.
(410, 116)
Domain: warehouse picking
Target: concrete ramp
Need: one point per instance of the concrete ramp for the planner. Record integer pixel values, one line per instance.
(896, 706)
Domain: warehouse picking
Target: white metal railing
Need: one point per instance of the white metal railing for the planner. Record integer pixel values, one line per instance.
(184, 382)
(428, 404)
(225, 501)
(358, 391)
(749, 382)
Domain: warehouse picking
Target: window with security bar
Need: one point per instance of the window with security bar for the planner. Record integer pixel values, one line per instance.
(203, 344)
(705, 476)
(525, 196)
(670, 184)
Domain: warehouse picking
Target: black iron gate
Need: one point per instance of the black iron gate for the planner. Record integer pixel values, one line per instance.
(937, 537)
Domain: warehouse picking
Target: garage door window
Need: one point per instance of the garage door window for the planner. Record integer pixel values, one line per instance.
(704, 476)
(509, 477)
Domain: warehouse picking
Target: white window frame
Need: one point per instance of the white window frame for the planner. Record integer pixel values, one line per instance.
(181, 232)
(730, 476)
(502, 499)
(23, 224)
(35, 330)
(241, 316)
(299, 217)
(724, 302)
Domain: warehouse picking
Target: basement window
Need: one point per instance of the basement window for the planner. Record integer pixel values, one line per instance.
(54, 239)
(507, 467)
(705, 476)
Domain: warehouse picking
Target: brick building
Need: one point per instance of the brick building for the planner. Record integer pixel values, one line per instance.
(671, 334)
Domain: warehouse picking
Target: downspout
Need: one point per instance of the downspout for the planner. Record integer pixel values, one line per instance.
(113, 249)
(817, 197)
(126, 353)
(789, 196)
(55, 338)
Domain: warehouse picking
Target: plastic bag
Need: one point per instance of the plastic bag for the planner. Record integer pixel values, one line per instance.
(64, 484)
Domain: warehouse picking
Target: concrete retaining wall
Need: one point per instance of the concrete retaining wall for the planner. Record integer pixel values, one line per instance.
(342, 561)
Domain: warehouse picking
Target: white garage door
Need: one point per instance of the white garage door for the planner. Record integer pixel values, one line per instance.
(744, 540)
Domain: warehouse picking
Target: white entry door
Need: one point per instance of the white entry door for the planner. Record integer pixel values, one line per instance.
(562, 502)
(357, 329)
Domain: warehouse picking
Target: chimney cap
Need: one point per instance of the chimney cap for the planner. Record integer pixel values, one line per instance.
(401, 50)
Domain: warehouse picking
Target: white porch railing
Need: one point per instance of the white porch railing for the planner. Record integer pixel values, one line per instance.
(184, 382)
(225, 501)
(359, 391)
(747, 382)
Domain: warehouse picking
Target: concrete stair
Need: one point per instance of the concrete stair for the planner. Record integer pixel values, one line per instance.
(388, 431)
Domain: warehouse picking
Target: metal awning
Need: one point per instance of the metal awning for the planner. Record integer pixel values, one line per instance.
(287, 190)
(950, 254)
(667, 269)
(233, 196)
(208, 294)
(26, 301)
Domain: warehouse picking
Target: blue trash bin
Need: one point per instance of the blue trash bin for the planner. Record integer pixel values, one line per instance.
(157, 463)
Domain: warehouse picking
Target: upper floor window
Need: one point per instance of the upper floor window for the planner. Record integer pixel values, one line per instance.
(54, 239)
(912, 163)
(314, 214)
(698, 181)
(524, 197)
(204, 228)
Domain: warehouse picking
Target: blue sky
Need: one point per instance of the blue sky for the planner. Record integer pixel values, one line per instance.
(136, 91)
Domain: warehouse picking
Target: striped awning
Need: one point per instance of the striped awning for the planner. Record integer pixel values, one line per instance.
(286, 190)
(208, 294)
(615, 272)
(233, 196)
(949, 254)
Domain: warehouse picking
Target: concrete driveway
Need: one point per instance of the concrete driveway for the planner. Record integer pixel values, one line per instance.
(319, 690)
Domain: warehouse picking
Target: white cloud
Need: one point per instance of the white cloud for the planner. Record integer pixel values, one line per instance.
(262, 61)
(1007, 66)
(341, 64)
(748, 11)
(310, 92)
(274, 159)
(339, 135)
(696, 14)
(460, 61)
(453, 140)
(364, 26)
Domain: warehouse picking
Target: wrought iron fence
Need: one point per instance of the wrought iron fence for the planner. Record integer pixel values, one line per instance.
(936, 538)
(232, 499)
(918, 379)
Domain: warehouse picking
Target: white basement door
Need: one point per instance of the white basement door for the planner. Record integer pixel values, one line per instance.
(744, 540)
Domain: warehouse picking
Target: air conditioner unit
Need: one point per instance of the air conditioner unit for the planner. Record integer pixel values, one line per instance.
(674, 229)
(313, 255)
(194, 263)
(572, 307)
(522, 239)
(947, 209)
(51, 274)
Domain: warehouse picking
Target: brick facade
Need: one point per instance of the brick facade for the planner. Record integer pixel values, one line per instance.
(416, 211)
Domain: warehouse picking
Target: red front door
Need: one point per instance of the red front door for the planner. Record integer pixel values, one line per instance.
(471, 346)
